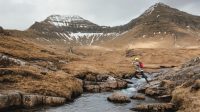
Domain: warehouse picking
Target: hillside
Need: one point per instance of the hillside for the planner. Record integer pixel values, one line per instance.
(161, 27)
(72, 30)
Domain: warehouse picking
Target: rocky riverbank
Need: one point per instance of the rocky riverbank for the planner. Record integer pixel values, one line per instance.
(17, 99)
(178, 88)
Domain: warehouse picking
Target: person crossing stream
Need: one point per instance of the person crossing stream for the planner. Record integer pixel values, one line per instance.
(139, 69)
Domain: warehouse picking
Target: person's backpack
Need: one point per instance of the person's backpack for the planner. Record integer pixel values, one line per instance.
(141, 65)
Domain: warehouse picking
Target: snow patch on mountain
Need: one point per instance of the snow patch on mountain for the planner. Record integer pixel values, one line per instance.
(63, 20)
(152, 8)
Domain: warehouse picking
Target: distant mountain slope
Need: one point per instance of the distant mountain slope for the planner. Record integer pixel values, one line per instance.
(161, 26)
(72, 30)
(159, 21)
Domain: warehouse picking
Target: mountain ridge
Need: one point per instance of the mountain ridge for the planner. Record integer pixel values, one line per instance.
(158, 19)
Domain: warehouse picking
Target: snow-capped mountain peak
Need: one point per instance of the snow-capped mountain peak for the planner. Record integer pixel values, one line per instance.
(64, 18)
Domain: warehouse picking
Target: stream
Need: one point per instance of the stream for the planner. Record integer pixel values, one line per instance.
(97, 102)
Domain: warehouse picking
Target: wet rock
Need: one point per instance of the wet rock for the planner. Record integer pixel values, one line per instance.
(138, 97)
(121, 84)
(119, 98)
(156, 107)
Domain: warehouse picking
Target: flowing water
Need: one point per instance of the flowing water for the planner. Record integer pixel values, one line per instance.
(97, 102)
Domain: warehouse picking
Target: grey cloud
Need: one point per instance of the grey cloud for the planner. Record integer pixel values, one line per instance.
(20, 14)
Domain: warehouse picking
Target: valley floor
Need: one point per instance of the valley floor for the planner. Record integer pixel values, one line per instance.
(51, 70)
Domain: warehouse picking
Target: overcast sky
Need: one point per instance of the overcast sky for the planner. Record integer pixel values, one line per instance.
(21, 14)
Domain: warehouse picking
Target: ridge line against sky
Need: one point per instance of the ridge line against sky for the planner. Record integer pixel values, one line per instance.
(21, 14)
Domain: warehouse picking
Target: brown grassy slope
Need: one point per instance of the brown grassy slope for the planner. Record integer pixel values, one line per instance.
(142, 37)
(40, 74)
(104, 60)
(187, 98)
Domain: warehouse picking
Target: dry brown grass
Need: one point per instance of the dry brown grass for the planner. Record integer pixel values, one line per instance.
(115, 61)
(189, 101)
(31, 77)
(31, 82)
(60, 82)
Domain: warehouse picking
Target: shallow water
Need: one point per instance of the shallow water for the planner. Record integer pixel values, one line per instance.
(97, 102)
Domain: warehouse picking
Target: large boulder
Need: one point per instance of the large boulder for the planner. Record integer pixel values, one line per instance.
(119, 98)
(35, 100)
(10, 99)
(156, 107)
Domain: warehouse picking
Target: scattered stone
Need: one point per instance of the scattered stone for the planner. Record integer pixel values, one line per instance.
(138, 97)
(119, 98)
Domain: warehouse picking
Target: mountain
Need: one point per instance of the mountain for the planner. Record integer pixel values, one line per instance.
(72, 30)
(161, 24)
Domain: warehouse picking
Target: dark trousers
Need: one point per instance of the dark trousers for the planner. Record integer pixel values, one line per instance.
(140, 73)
